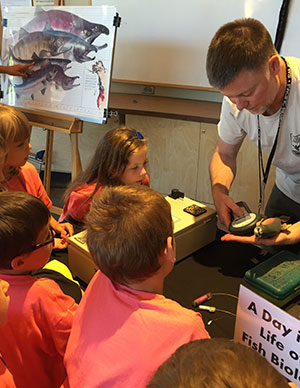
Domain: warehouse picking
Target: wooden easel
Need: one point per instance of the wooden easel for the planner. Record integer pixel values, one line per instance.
(56, 122)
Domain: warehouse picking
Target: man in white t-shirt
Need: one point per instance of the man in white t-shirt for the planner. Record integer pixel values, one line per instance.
(261, 96)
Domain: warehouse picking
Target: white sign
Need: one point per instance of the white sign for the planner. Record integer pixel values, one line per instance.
(270, 331)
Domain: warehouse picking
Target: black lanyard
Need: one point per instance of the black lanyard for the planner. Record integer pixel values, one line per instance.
(262, 171)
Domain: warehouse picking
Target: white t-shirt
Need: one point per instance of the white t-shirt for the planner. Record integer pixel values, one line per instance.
(234, 125)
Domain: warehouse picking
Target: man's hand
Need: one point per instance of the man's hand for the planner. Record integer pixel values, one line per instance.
(225, 207)
(289, 236)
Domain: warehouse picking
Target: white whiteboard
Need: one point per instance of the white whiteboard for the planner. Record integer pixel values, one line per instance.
(166, 41)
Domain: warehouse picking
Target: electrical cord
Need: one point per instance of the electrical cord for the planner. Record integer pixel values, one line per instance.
(224, 294)
(208, 296)
(212, 309)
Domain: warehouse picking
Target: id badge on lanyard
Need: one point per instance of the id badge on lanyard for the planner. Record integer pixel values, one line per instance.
(264, 173)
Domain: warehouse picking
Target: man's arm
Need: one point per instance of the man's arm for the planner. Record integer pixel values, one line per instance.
(287, 237)
(222, 173)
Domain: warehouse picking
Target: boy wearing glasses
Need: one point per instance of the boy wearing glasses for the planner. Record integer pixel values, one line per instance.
(40, 315)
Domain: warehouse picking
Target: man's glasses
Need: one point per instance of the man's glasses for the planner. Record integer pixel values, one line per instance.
(50, 240)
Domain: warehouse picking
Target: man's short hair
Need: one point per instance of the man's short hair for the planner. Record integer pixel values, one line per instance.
(244, 44)
(216, 363)
(127, 229)
(22, 217)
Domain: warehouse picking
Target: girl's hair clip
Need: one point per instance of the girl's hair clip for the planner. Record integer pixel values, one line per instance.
(139, 135)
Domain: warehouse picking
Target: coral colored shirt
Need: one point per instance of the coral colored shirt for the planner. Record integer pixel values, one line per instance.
(33, 341)
(6, 380)
(29, 181)
(78, 196)
(120, 336)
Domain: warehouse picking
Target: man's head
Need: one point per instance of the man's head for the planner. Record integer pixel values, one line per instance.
(127, 230)
(24, 228)
(216, 363)
(244, 44)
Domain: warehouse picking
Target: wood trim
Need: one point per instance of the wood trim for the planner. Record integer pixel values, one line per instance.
(56, 210)
(175, 108)
(53, 121)
(162, 84)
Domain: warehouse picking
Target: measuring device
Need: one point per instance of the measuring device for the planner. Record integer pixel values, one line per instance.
(251, 223)
(244, 225)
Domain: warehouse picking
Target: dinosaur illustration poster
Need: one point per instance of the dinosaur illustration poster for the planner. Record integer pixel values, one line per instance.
(72, 50)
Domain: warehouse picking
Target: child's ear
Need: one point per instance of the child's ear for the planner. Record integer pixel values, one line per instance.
(17, 263)
(169, 250)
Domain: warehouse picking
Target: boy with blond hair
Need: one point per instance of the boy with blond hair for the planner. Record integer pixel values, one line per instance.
(125, 328)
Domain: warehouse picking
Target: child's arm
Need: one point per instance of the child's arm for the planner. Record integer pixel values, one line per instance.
(65, 229)
(60, 243)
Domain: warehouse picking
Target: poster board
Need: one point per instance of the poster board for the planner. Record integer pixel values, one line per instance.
(10, 3)
(72, 48)
(270, 331)
(165, 42)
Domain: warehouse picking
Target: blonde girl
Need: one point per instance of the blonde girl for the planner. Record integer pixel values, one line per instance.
(19, 174)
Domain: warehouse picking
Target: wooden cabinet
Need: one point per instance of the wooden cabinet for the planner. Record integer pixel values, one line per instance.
(207, 145)
(179, 156)
(173, 149)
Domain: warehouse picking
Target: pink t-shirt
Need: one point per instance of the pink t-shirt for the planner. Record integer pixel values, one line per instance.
(29, 181)
(78, 204)
(120, 336)
(34, 339)
(76, 207)
(6, 379)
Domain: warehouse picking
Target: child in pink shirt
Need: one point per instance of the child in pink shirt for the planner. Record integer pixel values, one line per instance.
(120, 159)
(40, 315)
(124, 327)
(19, 174)
(6, 379)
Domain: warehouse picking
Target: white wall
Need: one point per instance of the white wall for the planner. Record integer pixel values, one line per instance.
(166, 41)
